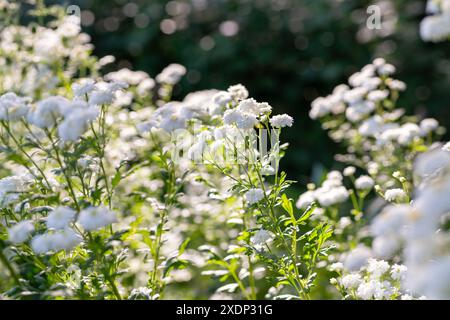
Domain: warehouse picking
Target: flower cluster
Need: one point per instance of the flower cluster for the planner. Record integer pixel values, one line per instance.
(436, 26)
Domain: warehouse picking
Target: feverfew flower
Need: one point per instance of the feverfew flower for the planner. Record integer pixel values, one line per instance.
(351, 281)
(12, 107)
(349, 171)
(65, 239)
(282, 120)
(20, 232)
(60, 218)
(94, 218)
(47, 111)
(83, 87)
(377, 268)
(398, 271)
(428, 125)
(254, 195)
(238, 92)
(74, 125)
(171, 74)
(396, 194)
(364, 183)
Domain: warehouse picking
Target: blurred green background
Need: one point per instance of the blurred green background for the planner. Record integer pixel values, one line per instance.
(287, 52)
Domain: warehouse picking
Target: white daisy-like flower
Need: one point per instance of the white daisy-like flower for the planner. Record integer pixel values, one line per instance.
(281, 121)
(351, 281)
(398, 271)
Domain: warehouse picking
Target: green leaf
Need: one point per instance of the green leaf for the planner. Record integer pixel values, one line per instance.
(287, 205)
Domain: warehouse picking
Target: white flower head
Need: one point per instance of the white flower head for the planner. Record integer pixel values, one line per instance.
(349, 171)
(47, 111)
(60, 218)
(281, 121)
(351, 281)
(20, 232)
(238, 92)
(12, 107)
(395, 194)
(364, 183)
(254, 195)
(94, 218)
(171, 74)
(377, 268)
(83, 87)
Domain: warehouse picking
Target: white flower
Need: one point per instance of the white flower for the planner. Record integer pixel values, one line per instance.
(267, 170)
(330, 196)
(240, 119)
(364, 183)
(60, 218)
(128, 76)
(377, 95)
(337, 266)
(171, 74)
(250, 106)
(446, 147)
(47, 111)
(305, 199)
(238, 92)
(351, 281)
(65, 239)
(319, 107)
(42, 243)
(370, 290)
(20, 232)
(349, 171)
(261, 237)
(435, 28)
(83, 87)
(254, 195)
(396, 194)
(281, 121)
(377, 268)
(94, 218)
(428, 125)
(247, 121)
(398, 271)
(74, 125)
(100, 97)
(396, 85)
(12, 107)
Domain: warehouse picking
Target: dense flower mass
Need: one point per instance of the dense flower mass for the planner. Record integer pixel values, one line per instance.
(436, 26)
(110, 189)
